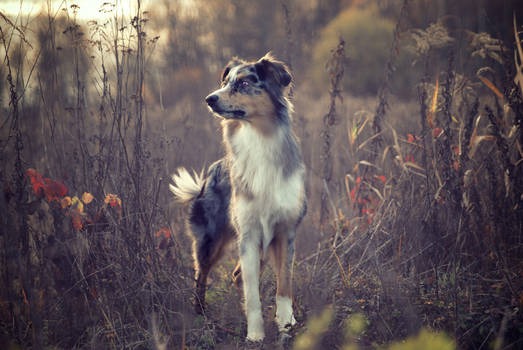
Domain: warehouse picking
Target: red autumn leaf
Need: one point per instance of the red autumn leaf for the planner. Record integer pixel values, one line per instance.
(163, 232)
(358, 180)
(93, 291)
(409, 158)
(437, 132)
(353, 194)
(410, 138)
(354, 191)
(33, 174)
(37, 188)
(113, 201)
(76, 220)
(30, 172)
(36, 180)
(54, 190)
(367, 211)
(381, 178)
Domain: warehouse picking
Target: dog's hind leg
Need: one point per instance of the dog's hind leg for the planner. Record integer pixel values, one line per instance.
(281, 251)
(207, 251)
(210, 226)
(202, 267)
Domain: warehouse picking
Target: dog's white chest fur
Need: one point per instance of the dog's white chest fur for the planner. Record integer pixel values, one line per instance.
(257, 165)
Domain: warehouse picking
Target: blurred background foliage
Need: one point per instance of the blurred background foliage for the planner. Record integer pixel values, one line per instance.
(368, 35)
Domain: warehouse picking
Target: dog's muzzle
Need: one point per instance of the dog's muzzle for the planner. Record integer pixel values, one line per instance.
(213, 102)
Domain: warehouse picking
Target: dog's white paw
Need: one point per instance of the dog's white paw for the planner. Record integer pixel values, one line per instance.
(283, 326)
(284, 314)
(255, 336)
(255, 330)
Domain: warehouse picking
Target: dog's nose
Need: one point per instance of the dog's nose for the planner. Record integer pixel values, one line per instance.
(211, 99)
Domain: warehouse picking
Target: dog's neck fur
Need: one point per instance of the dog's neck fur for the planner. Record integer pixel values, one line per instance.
(258, 157)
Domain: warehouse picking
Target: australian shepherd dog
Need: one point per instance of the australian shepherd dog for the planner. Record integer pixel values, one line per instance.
(256, 193)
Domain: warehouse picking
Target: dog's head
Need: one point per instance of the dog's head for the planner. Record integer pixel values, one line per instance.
(250, 89)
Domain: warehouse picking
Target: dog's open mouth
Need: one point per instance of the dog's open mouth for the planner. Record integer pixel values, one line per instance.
(232, 114)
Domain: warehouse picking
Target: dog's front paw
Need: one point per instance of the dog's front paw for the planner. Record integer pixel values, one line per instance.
(255, 331)
(286, 325)
(284, 315)
(255, 336)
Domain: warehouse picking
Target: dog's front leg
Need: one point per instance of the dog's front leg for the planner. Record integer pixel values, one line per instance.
(250, 269)
(282, 253)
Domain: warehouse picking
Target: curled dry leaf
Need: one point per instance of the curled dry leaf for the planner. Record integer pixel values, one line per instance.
(87, 198)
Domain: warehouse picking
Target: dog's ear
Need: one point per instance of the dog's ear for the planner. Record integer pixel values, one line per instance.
(268, 68)
(232, 63)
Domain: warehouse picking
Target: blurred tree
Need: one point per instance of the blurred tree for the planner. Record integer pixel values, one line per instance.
(492, 16)
(184, 54)
(61, 81)
(243, 28)
(368, 35)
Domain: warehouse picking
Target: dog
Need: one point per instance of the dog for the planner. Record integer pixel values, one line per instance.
(256, 193)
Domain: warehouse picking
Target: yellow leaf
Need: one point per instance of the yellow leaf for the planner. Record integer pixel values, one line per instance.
(435, 97)
(87, 197)
(354, 134)
(65, 202)
(434, 105)
(77, 204)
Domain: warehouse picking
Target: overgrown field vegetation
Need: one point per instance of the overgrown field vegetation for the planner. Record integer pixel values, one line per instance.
(414, 233)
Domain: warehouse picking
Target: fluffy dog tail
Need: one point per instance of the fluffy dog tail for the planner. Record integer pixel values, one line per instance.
(186, 186)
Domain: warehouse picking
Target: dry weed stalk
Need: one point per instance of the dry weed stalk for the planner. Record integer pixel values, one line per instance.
(384, 90)
(336, 68)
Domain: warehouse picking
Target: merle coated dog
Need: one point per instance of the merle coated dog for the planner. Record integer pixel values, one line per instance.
(256, 193)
